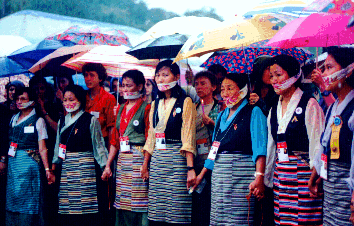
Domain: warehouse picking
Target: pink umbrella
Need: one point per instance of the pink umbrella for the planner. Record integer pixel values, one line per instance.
(316, 30)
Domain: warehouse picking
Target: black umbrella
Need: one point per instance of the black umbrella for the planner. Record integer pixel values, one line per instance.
(159, 48)
(9, 67)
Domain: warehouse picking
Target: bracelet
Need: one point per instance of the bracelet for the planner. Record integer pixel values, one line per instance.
(258, 174)
(47, 169)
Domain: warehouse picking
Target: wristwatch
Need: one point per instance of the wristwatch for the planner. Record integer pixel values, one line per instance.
(190, 168)
(258, 174)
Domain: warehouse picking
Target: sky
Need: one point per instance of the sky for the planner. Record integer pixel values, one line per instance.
(227, 9)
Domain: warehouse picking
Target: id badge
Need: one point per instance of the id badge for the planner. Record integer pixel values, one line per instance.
(62, 151)
(323, 172)
(12, 149)
(124, 144)
(160, 141)
(29, 129)
(214, 150)
(282, 149)
(202, 146)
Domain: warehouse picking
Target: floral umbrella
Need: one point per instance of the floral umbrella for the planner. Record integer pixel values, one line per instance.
(332, 6)
(92, 36)
(240, 60)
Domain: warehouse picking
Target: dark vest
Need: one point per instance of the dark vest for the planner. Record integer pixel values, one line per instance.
(77, 137)
(25, 141)
(136, 134)
(345, 135)
(295, 135)
(237, 137)
(174, 123)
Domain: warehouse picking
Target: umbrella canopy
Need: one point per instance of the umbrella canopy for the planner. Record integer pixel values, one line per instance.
(9, 67)
(244, 33)
(114, 59)
(29, 55)
(316, 30)
(187, 25)
(92, 35)
(240, 60)
(159, 48)
(332, 6)
(11, 43)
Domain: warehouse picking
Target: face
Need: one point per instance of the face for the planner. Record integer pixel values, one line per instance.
(92, 79)
(229, 88)
(266, 76)
(331, 66)
(63, 82)
(277, 76)
(148, 87)
(40, 90)
(12, 90)
(204, 87)
(115, 85)
(70, 100)
(129, 86)
(164, 75)
(22, 99)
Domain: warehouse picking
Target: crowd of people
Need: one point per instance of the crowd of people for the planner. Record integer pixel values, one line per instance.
(273, 147)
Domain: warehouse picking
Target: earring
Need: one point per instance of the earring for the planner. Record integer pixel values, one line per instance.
(339, 85)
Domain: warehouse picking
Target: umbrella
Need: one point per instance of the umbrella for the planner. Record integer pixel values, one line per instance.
(187, 25)
(115, 60)
(92, 35)
(240, 60)
(249, 31)
(316, 30)
(11, 43)
(332, 6)
(9, 67)
(29, 55)
(159, 48)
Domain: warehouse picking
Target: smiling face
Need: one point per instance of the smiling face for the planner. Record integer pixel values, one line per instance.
(277, 76)
(92, 79)
(331, 66)
(204, 87)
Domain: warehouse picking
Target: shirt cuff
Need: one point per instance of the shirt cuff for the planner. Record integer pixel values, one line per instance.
(209, 164)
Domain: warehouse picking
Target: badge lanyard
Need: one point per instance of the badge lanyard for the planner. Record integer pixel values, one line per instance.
(334, 142)
(62, 147)
(14, 145)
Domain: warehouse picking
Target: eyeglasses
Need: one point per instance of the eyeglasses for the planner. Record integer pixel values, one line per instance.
(22, 99)
(12, 89)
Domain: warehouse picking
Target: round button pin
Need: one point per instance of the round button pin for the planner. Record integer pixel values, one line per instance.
(178, 110)
(136, 123)
(298, 110)
(337, 121)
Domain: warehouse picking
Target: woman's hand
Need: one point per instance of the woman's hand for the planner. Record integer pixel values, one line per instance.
(59, 94)
(207, 121)
(50, 176)
(191, 178)
(107, 173)
(316, 78)
(144, 173)
(315, 187)
(198, 180)
(257, 187)
(254, 98)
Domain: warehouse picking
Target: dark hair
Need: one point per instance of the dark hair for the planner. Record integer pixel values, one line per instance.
(168, 63)
(137, 77)
(17, 84)
(79, 93)
(289, 64)
(217, 68)
(343, 56)
(154, 89)
(98, 68)
(260, 64)
(240, 79)
(39, 79)
(207, 74)
(19, 91)
(68, 77)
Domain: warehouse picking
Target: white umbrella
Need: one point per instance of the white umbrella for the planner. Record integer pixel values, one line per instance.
(11, 43)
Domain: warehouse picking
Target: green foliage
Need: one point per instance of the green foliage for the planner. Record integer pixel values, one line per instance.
(134, 13)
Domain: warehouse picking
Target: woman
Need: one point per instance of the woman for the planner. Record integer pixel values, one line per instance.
(26, 157)
(79, 143)
(10, 102)
(171, 147)
(131, 131)
(63, 82)
(237, 155)
(295, 124)
(151, 90)
(207, 112)
(334, 161)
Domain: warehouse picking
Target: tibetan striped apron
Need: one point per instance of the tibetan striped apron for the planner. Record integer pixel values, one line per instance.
(230, 181)
(292, 202)
(169, 200)
(336, 205)
(131, 190)
(78, 193)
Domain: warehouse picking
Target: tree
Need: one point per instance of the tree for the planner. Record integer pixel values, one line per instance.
(204, 12)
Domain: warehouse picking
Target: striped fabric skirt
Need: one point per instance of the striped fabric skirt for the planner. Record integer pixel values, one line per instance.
(131, 190)
(230, 181)
(78, 193)
(336, 205)
(292, 202)
(169, 200)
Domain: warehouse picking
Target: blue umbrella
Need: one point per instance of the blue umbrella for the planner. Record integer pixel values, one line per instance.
(9, 67)
(29, 55)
